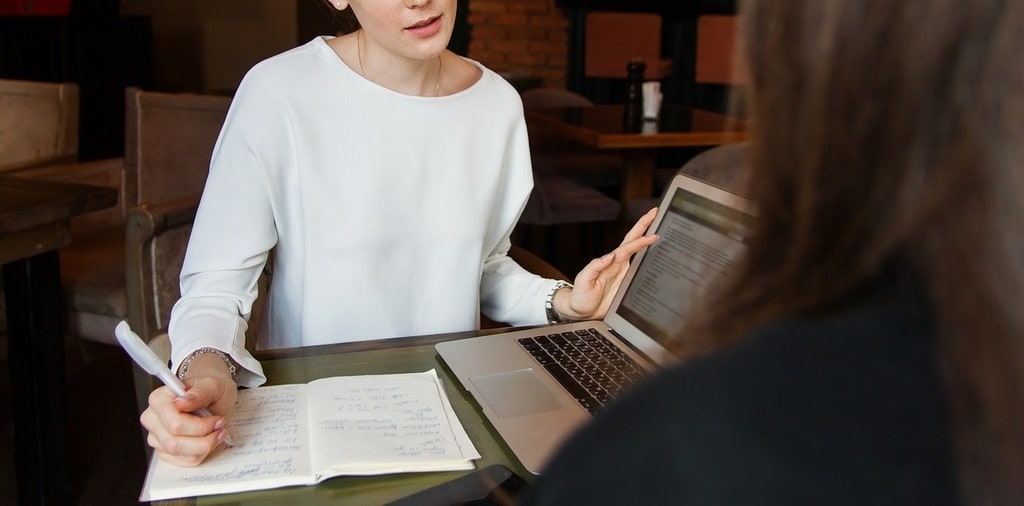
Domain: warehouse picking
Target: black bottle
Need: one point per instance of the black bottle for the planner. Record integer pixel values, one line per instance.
(633, 112)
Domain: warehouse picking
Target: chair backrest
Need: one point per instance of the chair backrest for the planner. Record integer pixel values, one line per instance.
(38, 123)
(553, 97)
(169, 138)
(724, 166)
(542, 140)
(554, 155)
(716, 60)
(612, 39)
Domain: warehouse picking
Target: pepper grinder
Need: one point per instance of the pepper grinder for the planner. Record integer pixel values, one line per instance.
(633, 113)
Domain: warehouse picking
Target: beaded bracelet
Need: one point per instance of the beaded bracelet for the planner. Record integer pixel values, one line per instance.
(549, 302)
(183, 368)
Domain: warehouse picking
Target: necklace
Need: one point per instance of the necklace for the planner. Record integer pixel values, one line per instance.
(362, 72)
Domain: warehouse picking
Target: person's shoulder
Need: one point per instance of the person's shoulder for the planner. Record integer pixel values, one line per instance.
(886, 347)
(889, 318)
(295, 59)
(276, 75)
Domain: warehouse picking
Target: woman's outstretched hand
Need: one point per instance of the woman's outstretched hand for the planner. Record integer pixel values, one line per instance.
(596, 284)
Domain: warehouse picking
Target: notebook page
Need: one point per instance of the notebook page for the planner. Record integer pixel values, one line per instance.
(384, 424)
(271, 449)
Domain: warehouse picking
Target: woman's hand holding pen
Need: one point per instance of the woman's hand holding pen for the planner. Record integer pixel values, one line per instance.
(180, 437)
(595, 285)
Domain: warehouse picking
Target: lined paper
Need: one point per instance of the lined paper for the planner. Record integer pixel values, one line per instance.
(346, 425)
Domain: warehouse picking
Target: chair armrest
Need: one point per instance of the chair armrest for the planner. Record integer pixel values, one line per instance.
(147, 220)
(156, 237)
(151, 273)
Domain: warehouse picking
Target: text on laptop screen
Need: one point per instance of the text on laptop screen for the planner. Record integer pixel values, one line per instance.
(699, 241)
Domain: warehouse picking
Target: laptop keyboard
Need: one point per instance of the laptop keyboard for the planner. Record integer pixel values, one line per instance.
(591, 368)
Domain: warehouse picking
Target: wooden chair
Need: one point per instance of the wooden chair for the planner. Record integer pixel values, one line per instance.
(38, 127)
(567, 212)
(38, 124)
(156, 236)
(719, 76)
(553, 155)
(718, 69)
(169, 139)
(612, 39)
(549, 96)
(718, 44)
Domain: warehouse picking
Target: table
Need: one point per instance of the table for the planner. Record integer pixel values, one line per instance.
(34, 223)
(602, 127)
(410, 354)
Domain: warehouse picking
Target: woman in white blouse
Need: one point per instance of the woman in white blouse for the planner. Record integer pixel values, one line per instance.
(387, 174)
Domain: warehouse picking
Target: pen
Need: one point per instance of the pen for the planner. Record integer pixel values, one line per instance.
(149, 362)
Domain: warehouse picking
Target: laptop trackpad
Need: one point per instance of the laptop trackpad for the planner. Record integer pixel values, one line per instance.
(516, 393)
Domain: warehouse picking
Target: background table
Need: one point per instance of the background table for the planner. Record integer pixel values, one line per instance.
(35, 221)
(412, 354)
(602, 127)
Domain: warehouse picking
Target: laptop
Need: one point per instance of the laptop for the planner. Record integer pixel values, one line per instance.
(537, 385)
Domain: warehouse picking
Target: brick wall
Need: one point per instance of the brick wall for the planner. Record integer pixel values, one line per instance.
(528, 36)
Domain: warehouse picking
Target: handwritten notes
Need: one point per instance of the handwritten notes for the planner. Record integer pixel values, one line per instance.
(347, 425)
(390, 421)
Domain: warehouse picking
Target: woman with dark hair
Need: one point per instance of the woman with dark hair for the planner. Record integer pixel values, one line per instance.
(869, 348)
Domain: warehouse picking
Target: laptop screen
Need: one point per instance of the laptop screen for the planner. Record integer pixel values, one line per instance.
(700, 238)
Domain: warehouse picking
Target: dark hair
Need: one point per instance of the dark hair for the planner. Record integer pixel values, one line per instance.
(345, 20)
(888, 133)
(348, 20)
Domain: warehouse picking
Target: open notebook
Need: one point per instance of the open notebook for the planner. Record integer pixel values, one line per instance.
(302, 434)
(537, 385)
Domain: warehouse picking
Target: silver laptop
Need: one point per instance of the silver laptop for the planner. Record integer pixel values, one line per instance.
(537, 385)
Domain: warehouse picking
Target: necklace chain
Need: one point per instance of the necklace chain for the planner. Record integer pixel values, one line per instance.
(362, 72)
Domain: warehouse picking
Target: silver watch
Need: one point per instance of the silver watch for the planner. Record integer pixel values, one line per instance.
(549, 302)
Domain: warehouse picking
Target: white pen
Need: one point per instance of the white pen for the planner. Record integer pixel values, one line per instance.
(149, 362)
